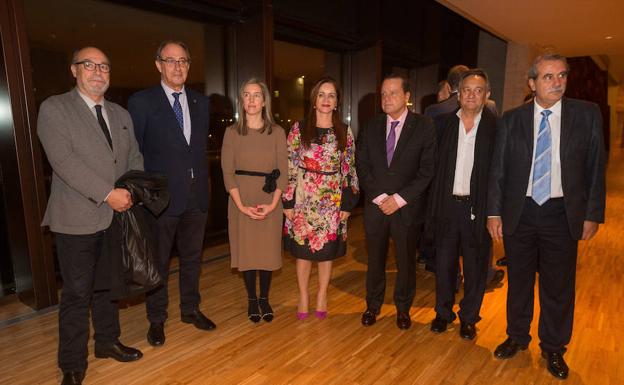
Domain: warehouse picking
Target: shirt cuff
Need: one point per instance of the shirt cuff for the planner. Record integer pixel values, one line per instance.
(107, 195)
(380, 199)
(399, 200)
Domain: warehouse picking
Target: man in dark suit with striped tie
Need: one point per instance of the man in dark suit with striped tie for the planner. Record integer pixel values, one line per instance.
(547, 192)
(171, 127)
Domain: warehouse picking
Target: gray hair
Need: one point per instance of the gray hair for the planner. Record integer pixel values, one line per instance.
(165, 43)
(550, 56)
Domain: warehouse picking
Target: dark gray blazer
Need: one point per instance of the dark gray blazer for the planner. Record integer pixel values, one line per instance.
(84, 167)
(582, 155)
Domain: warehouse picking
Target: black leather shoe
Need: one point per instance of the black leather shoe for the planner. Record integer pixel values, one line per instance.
(439, 324)
(403, 320)
(199, 320)
(497, 278)
(118, 352)
(73, 378)
(508, 349)
(156, 334)
(253, 312)
(265, 309)
(556, 365)
(467, 331)
(369, 317)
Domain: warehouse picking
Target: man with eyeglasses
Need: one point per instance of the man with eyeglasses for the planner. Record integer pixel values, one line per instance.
(457, 203)
(171, 127)
(89, 143)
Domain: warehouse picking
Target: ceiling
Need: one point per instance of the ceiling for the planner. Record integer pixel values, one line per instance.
(572, 27)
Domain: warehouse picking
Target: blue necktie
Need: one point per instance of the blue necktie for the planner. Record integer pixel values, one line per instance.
(541, 163)
(177, 109)
(390, 141)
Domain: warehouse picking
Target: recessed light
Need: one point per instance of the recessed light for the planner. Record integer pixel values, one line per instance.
(608, 37)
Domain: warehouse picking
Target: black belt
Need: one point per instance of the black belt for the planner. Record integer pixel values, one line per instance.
(462, 198)
(319, 171)
(270, 178)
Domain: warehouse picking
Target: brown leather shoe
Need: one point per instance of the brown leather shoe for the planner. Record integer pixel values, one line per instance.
(556, 365)
(369, 317)
(508, 349)
(118, 351)
(198, 319)
(73, 378)
(403, 320)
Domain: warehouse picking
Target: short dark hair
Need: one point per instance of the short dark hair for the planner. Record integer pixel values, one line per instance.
(547, 56)
(454, 75)
(475, 72)
(165, 43)
(404, 82)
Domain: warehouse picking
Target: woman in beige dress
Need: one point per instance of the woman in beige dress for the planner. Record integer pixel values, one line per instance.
(255, 163)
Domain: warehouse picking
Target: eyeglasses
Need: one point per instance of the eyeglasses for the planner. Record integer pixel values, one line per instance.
(91, 66)
(171, 62)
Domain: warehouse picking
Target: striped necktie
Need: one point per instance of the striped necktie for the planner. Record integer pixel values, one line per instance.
(541, 164)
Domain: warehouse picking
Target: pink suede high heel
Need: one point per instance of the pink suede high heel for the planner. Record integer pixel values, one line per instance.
(321, 314)
(302, 316)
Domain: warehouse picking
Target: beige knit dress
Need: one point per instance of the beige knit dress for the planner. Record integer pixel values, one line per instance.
(254, 244)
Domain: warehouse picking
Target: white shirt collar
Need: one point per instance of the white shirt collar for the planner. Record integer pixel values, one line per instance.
(555, 108)
(169, 91)
(90, 102)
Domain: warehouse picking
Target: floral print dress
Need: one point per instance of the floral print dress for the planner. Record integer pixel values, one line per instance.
(321, 182)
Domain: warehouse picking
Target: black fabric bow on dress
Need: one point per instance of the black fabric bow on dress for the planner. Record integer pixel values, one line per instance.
(270, 178)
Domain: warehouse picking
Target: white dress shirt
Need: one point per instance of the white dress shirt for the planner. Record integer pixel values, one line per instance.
(556, 191)
(465, 156)
(186, 115)
(91, 104)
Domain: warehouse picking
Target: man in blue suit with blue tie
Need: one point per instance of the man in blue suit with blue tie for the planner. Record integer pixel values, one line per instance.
(171, 127)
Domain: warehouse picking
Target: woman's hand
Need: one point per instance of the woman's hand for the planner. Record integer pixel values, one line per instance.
(344, 215)
(252, 213)
(289, 214)
(265, 209)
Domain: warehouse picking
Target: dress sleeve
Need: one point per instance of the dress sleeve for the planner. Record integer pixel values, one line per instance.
(281, 153)
(293, 145)
(350, 183)
(227, 159)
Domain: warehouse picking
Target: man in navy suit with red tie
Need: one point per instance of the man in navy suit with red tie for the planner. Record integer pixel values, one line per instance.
(171, 127)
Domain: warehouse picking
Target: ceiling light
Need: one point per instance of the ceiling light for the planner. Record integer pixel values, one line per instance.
(608, 37)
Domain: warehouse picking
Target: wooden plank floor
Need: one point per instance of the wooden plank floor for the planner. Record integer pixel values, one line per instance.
(339, 350)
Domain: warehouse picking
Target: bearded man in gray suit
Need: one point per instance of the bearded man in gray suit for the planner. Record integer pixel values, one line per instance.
(90, 143)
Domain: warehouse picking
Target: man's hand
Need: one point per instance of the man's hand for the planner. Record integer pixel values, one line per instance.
(119, 200)
(589, 230)
(389, 206)
(495, 228)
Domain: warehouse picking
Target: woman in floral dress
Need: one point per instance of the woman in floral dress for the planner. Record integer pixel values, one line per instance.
(322, 190)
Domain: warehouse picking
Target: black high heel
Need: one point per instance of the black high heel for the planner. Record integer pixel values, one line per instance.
(267, 310)
(253, 312)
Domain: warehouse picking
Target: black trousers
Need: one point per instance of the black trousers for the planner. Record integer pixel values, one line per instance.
(459, 240)
(78, 257)
(379, 228)
(187, 231)
(542, 244)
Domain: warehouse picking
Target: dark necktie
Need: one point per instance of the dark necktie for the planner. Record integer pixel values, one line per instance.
(177, 109)
(390, 141)
(103, 126)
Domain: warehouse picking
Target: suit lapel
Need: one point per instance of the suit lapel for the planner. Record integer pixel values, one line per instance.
(89, 119)
(527, 125)
(567, 117)
(406, 133)
(381, 138)
(193, 111)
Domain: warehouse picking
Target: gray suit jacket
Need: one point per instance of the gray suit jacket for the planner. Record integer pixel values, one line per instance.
(84, 167)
